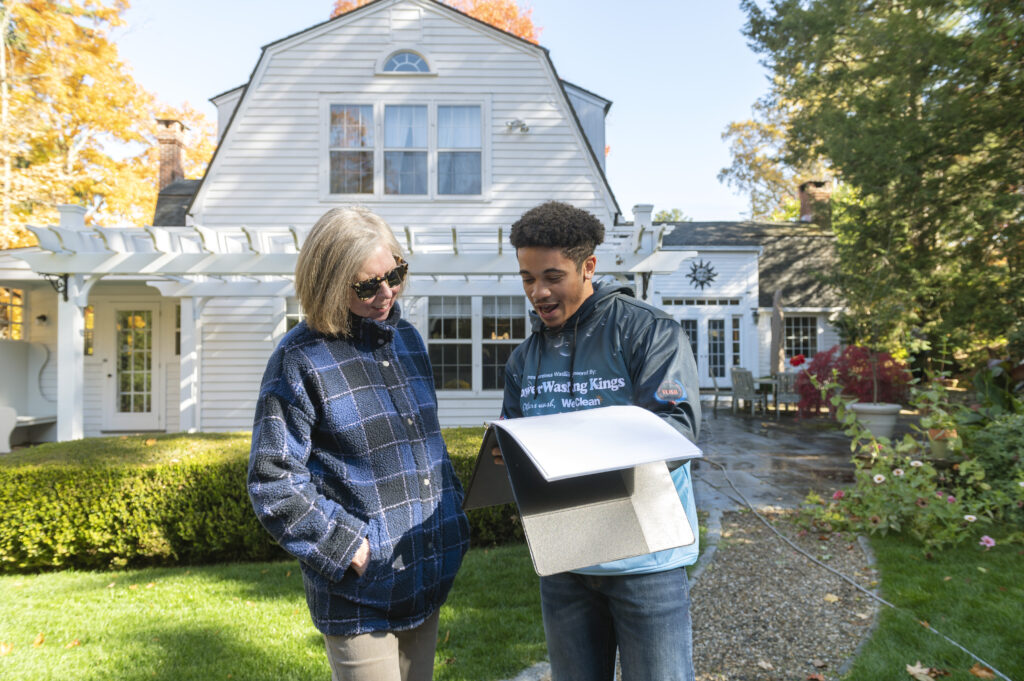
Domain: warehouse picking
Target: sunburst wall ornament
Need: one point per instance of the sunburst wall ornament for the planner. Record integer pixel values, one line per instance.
(701, 274)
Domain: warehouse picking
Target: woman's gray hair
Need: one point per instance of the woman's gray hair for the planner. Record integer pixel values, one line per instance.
(341, 241)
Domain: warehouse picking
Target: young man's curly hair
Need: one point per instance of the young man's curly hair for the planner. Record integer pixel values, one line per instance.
(559, 225)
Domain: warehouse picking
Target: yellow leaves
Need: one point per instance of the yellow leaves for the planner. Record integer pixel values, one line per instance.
(73, 644)
(40, 639)
(150, 441)
(831, 598)
(504, 14)
(921, 673)
(5, 648)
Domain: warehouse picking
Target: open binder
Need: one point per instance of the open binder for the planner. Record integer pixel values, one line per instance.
(591, 486)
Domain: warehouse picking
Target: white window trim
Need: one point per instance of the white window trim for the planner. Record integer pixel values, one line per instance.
(378, 104)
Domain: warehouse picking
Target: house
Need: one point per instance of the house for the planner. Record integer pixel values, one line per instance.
(445, 126)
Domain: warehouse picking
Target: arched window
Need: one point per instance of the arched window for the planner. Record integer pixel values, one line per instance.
(406, 62)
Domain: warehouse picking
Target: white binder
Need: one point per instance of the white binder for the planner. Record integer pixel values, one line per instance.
(591, 486)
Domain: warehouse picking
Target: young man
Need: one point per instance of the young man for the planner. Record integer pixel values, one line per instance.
(612, 349)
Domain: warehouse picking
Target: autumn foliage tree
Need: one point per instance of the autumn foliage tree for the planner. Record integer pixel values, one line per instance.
(503, 14)
(75, 127)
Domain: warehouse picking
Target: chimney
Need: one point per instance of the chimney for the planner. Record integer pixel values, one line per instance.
(816, 202)
(171, 136)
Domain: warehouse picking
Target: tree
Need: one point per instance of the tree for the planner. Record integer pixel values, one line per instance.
(759, 168)
(671, 215)
(503, 14)
(916, 106)
(75, 127)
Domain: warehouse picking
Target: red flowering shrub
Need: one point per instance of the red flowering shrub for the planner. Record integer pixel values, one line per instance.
(853, 369)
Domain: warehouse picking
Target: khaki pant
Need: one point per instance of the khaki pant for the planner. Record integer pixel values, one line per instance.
(385, 655)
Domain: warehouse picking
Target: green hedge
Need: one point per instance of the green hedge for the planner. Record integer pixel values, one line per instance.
(171, 499)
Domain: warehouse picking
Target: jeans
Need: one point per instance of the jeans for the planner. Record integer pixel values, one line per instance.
(646, 616)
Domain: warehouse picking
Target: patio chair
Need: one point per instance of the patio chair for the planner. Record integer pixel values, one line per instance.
(743, 389)
(716, 392)
(786, 392)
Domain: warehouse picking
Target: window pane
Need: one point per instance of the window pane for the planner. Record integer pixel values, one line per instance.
(405, 127)
(504, 318)
(495, 357)
(449, 317)
(690, 329)
(801, 336)
(458, 127)
(405, 172)
(452, 365)
(351, 172)
(458, 172)
(351, 126)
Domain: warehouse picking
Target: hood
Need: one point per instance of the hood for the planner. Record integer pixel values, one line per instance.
(602, 292)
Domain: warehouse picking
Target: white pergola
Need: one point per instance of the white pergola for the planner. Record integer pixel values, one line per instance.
(196, 263)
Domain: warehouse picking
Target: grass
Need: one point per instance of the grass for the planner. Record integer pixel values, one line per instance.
(244, 621)
(973, 596)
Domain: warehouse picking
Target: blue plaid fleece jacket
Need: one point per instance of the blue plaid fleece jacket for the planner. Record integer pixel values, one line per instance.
(346, 444)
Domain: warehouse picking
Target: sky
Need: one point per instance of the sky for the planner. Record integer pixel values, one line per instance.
(677, 73)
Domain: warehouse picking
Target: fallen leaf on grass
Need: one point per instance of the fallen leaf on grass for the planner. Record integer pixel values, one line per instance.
(982, 672)
(133, 586)
(946, 578)
(815, 677)
(863, 615)
(111, 585)
(151, 585)
(918, 672)
(74, 644)
(924, 623)
(981, 569)
(5, 648)
(39, 640)
(831, 598)
(765, 665)
(150, 442)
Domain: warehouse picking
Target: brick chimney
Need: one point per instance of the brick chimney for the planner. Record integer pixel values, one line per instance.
(171, 136)
(816, 202)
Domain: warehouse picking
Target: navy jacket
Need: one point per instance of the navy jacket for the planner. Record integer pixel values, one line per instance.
(346, 444)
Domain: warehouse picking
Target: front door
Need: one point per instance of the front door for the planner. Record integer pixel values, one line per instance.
(715, 340)
(132, 377)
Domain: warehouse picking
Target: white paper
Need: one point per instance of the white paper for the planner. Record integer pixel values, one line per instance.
(577, 443)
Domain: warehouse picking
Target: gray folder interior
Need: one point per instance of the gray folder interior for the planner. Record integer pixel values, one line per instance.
(582, 521)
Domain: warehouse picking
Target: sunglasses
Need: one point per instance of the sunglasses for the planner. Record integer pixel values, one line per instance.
(368, 288)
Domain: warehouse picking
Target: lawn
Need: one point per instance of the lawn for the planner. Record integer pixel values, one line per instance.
(975, 597)
(243, 621)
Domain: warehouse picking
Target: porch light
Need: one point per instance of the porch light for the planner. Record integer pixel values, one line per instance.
(519, 124)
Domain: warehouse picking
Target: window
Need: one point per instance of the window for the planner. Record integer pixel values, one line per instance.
(177, 329)
(405, 149)
(458, 150)
(504, 327)
(801, 336)
(690, 329)
(12, 313)
(688, 302)
(735, 341)
(89, 331)
(450, 342)
(406, 62)
(716, 347)
(351, 149)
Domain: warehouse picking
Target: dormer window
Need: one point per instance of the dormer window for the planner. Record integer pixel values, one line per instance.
(406, 62)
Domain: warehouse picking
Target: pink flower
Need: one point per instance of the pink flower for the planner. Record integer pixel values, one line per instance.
(951, 499)
(898, 472)
(797, 360)
(987, 541)
(839, 494)
(970, 518)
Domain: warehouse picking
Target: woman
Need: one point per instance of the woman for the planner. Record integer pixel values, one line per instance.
(348, 470)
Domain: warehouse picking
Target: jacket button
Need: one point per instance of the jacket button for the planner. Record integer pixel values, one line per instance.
(385, 363)
(426, 481)
(409, 420)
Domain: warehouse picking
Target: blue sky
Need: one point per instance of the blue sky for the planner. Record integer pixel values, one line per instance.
(677, 72)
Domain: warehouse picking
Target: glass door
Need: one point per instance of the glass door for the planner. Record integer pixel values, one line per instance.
(133, 381)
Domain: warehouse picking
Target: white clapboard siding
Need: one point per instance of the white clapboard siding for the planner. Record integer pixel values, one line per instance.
(42, 301)
(268, 168)
(467, 410)
(237, 339)
(736, 278)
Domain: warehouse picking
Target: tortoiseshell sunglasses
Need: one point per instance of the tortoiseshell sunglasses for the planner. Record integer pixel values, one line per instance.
(368, 288)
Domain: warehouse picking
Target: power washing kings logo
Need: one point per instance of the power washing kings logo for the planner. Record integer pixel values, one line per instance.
(574, 394)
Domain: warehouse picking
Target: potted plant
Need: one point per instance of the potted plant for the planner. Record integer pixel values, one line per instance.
(878, 382)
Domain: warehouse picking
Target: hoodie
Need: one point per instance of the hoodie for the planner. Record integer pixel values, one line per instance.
(614, 350)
